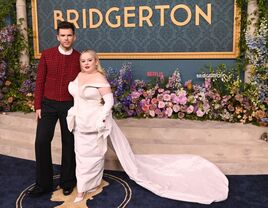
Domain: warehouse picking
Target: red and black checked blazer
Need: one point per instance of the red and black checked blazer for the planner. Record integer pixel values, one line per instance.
(55, 71)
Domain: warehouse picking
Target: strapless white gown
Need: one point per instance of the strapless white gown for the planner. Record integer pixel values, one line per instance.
(182, 177)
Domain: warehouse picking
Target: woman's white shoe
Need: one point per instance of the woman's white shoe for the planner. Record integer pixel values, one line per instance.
(79, 198)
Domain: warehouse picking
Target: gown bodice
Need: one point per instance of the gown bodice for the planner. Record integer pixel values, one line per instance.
(88, 107)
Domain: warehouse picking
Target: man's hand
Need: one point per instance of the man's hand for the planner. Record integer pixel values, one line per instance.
(38, 114)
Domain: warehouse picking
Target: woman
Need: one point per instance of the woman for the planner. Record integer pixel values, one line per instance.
(180, 177)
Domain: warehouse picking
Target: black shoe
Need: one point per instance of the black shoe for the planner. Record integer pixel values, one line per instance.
(37, 191)
(67, 191)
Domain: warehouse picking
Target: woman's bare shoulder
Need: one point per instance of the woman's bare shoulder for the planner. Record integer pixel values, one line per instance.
(79, 74)
(101, 78)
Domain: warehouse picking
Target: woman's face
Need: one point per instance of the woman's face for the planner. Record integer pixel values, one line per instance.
(88, 63)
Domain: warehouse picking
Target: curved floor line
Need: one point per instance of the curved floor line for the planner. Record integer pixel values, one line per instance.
(127, 188)
(127, 198)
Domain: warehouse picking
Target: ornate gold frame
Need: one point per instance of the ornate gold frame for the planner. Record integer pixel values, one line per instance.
(160, 55)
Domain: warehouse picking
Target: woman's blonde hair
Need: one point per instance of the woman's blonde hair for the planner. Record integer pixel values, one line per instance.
(94, 54)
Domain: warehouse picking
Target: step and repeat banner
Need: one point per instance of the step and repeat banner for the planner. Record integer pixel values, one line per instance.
(142, 29)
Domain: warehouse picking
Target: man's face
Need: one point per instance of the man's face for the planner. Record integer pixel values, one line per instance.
(66, 37)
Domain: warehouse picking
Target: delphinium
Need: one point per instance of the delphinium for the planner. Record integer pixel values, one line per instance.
(121, 81)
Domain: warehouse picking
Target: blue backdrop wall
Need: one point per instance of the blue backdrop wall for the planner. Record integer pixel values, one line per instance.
(184, 34)
(188, 68)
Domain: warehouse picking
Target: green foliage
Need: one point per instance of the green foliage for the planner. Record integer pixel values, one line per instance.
(262, 13)
(12, 44)
(242, 4)
(263, 8)
(6, 9)
(226, 81)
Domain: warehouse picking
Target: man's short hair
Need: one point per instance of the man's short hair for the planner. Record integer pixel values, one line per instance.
(65, 25)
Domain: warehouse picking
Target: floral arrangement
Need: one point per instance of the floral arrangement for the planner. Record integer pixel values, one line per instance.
(257, 55)
(169, 98)
(257, 45)
(121, 81)
(7, 37)
(16, 89)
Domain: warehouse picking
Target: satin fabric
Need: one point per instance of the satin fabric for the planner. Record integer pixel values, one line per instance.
(182, 177)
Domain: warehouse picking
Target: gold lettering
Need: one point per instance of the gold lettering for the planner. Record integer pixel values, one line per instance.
(180, 15)
(76, 17)
(145, 18)
(117, 17)
(57, 17)
(188, 11)
(199, 12)
(162, 13)
(91, 18)
(84, 18)
(128, 15)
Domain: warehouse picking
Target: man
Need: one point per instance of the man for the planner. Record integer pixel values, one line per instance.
(57, 67)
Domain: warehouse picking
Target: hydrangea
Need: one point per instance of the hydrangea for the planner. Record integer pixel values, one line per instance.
(257, 45)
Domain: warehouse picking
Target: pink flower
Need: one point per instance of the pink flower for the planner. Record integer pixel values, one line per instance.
(135, 95)
(166, 92)
(160, 115)
(161, 104)
(200, 113)
(152, 107)
(183, 108)
(217, 97)
(160, 90)
(208, 83)
(145, 94)
(230, 107)
(167, 97)
(176, 108)
(143, 102)
(181, 98)
(145, 108)
(169, 112)
(160, 97)
(152, 113)
(239, 98)
(172, 95)
(181, 115)
(150, 93)
(190, 109)
(206, 107)
(154, 101)
(157, 111)
(169, 104)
